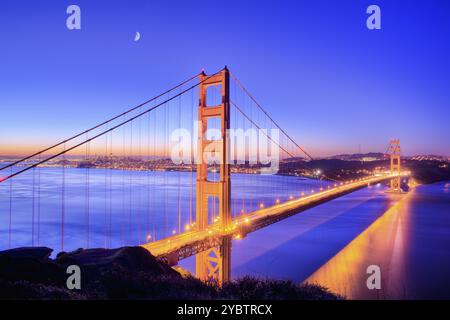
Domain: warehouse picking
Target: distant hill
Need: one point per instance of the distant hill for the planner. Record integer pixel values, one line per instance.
(359, 156)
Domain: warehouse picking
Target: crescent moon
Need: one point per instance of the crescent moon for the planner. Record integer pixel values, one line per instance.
(137, 36)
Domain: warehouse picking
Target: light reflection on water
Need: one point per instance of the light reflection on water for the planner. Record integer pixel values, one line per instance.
(297, 246)
(410, 242)
(382, 244)
(407, 236)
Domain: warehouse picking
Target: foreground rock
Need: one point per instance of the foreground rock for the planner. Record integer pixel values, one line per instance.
(125, 273)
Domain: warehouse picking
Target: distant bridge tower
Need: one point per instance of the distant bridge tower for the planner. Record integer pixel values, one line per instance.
(213, 263)
(394, 151)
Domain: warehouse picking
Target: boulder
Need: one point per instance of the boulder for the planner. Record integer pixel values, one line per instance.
(30, 264)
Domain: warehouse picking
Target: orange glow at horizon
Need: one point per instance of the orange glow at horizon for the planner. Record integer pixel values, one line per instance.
(94, 150)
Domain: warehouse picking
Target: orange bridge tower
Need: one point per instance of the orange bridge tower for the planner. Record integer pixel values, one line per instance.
(213, 264)
(394, 151)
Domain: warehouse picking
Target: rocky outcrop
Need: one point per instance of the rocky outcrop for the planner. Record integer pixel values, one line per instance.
(125, 273)
(31, 264)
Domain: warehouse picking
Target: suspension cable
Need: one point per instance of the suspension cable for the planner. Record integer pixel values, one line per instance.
(101, 124)
(275, 123)
(106, 131)
(277, 144)
(271, 119)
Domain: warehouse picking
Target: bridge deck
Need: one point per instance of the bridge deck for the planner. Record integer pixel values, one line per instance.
(183, 245)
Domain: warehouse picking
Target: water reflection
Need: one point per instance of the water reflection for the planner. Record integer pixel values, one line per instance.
(407, 236)
(382, 244)
(297, 246)
(410, 243)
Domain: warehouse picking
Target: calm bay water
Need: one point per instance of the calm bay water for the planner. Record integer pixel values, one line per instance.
(408, 236)
(112, 208)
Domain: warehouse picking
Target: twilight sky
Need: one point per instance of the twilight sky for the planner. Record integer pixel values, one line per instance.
(328, 80)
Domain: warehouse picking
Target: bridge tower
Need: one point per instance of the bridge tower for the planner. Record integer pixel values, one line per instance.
(394, 151)
(215, 262)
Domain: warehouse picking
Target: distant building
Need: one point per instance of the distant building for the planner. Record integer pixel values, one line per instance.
(429, 158)
(368, 159)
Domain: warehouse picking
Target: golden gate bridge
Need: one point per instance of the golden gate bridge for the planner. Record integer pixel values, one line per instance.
(174, 209)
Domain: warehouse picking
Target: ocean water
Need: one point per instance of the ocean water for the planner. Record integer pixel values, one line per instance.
(410, 244)
(69, 208)
(407, 235)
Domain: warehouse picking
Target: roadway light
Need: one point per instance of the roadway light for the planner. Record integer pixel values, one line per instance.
(187, 227)
(291, 197)
(149, 237)
(261, 205)
(174, 231)
(277, 201)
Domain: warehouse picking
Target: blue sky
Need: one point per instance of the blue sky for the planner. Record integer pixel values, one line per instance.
(332, 83)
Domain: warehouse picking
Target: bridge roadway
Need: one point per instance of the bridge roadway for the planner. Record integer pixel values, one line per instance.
(180, 246)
